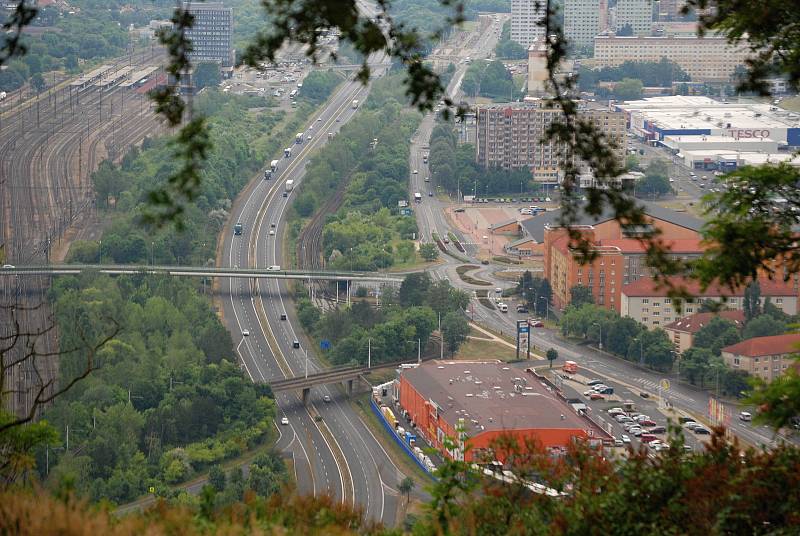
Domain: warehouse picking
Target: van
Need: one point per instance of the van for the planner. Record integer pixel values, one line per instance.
(745, 416)
(503, 307)
(274, 268)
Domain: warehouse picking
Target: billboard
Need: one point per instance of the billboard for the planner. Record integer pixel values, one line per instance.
(523, 338)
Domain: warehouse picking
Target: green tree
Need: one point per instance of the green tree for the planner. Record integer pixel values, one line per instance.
(580, 295)
(552, 355)
(429, 251)
(751, 303)
(38, 83)
(414, 288)
(206, 74)
(216, 478)
(632, 163)
(694, 365)
(717, 334)
(763, 326)
(455, 329)
(628, 89)
(406, 486)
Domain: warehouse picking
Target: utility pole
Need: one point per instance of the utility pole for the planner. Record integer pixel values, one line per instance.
(441, 336)
(306, 352)
(369, 353)
(419, 351)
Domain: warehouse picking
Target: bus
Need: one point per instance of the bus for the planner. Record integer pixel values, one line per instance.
(570, 367)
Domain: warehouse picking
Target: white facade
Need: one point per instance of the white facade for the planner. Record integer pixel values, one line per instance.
(581, 22)
(701, 143)
(636, 13)
(525, 19)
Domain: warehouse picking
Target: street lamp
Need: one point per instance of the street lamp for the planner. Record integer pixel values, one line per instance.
(641, 351)
(546, 307)
(600, 344)
(419, 349)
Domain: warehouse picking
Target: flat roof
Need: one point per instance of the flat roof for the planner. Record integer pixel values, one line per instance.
(490, 395)
(713, 138)
(679, 112)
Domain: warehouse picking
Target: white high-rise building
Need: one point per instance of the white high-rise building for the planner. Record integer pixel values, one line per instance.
(638, 14)
(525, 19)
(581, 22)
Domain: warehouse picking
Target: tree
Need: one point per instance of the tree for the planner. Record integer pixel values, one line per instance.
(216, 478)
(414, 288)
(628, 89)
(38, 83)
(751, 303)
(694, 365)
(580, 295)
(552, 355)
(207, 74)
(763, 326)
(455, 329)
(429, 251)
(653, 185)
(406, 486)
(632, 163)
(717, 334)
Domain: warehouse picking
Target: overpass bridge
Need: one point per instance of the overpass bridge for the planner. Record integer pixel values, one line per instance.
(190, 271)
(334, 375)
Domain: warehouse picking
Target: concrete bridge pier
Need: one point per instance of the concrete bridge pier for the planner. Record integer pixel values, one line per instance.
(306, 392)
(350, 386)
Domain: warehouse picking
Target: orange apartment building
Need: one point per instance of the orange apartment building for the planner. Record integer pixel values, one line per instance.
(621, 256)
(487, 399)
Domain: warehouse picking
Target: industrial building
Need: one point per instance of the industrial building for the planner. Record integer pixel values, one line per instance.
(656, 118)
(211, 33)
(476, 403)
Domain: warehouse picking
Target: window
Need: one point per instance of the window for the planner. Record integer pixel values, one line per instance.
(645, 300)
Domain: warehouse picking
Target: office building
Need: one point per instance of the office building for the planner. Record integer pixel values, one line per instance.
(637, 15)
(484, 401)
(525, 19)
(705, 59)
(512, 136)
(581, 22)
(211, 33)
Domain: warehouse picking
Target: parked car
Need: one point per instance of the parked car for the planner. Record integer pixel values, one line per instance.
(702, 430)
(657, 430)
(594, 382)
(618, 442)
(647, 422)
(596, 396)
(648, 438)
(691, 425)
(625, 439)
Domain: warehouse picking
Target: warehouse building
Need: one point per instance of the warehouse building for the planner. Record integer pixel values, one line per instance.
(486, 400)
(657, 118)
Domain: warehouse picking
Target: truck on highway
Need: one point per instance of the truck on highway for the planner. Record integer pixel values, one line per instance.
(298, 138)
(355, 104)
(417, 197)
(273, 166)
(290, 185)
(287, 152)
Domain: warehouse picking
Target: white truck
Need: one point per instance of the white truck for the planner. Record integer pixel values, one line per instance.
(298, 138)
(417, 197)
(287, 152)
(273, 166)
(355, 104)
(290, 185)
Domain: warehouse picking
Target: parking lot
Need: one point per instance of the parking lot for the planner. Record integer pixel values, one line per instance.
(631, 418)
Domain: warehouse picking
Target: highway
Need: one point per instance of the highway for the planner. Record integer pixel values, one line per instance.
(333, 451)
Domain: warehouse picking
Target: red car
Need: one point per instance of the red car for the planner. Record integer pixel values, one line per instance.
(645, 422)
(596, 396)
(536, 324)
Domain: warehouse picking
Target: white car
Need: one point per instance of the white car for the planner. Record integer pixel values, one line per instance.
(285, 421)
(319, 119)
(245, 333)
(415, 172)
(625, 439)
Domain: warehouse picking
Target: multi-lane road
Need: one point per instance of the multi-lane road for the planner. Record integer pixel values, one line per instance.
(333, 450)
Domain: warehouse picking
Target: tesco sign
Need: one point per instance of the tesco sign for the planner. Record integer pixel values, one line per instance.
(749, 133)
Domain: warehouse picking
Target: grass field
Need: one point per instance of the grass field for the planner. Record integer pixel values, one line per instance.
(791, 103)
(475, 349)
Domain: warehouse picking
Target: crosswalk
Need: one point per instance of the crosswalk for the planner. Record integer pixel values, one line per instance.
(653, 386)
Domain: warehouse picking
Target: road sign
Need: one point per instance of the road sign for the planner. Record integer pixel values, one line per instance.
(152, 489)
(664, 384)
(325, 344)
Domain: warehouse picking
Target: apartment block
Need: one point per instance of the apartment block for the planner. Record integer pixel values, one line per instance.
(525, 18)
(512, 136)
(638, 14)
(582, 19)
(764, 357)
(649, 304)
(211, 33)
(705, 59)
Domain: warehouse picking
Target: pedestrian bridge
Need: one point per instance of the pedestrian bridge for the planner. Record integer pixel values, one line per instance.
(191, 271)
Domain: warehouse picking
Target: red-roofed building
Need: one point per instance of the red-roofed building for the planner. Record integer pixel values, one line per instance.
(620, 255)
(682, 332)
(764, 357)
(649, 304)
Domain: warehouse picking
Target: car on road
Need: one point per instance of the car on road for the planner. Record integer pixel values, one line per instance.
(245, 333)
(536, 324)
(745, 416)
(274, 268)
(644, 395)
(427, 179)
(625, 439)
(272, 225)
(296, 344)
(9, 266)
(319, 119)
(285, 194)
(459, 210)
(596, 382)
(596, 396)
(283, 316)
(284, 420)
(326, 399)
(430, 194)
(271, 232)
(702, 430)
(415, 172)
